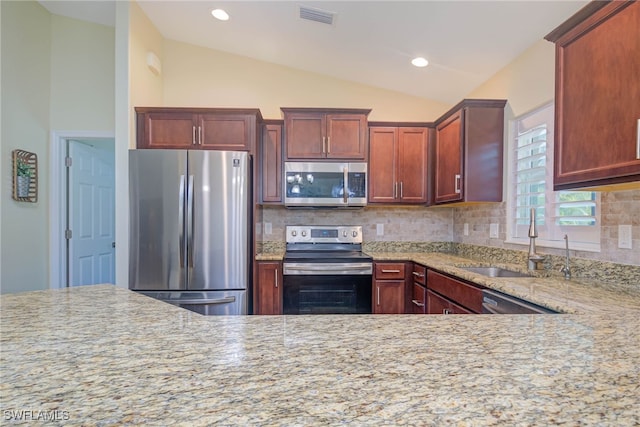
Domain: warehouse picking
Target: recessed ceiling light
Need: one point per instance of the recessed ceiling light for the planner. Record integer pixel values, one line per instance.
(220, 14)
(419, 62)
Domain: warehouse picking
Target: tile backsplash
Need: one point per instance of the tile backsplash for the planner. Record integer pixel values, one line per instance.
(446, 224)
(399, 224)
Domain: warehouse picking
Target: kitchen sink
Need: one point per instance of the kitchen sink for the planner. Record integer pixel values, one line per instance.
(495, 272)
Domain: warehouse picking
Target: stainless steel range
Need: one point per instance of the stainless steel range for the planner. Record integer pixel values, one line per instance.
(325, 271)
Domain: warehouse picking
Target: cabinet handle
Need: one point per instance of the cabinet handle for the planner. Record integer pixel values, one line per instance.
(328, 144)
(395, 190)
(418, 303)
(324, 141)
(276, 277)
(391, 271)
(415, 273)
(457, 184)
(193, 135)
(199, 135)
(445, 311)
(638, 140)
(378, 294)
(401, 191)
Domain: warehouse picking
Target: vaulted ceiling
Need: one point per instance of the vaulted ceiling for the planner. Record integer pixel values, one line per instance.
(371, 42)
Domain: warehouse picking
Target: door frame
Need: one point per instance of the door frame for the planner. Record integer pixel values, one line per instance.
(58, 201)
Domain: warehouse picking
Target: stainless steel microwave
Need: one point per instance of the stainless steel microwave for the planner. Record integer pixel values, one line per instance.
(325, 184)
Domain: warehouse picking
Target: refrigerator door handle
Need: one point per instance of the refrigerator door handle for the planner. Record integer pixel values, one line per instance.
(190, 221)
(197, 301)
(181, 220)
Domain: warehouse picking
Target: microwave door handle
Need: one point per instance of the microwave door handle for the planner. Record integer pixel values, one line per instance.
(345, 194)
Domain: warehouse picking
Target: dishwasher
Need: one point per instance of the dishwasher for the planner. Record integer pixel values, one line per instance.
(494, 302)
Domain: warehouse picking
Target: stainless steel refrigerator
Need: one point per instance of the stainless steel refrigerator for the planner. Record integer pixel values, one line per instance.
(189, 228)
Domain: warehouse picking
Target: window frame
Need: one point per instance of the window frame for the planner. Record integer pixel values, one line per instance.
(517, 234)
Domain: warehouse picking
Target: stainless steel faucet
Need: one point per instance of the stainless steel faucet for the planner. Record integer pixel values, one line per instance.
(534, 258)
(565, 268)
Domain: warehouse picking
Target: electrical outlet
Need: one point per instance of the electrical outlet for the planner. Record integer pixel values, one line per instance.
(380, 229)
(466, 229)
(493, 231)
(267, 228)
(624, 236)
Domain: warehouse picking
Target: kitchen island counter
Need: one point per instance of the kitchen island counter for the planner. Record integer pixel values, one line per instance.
(101, 355)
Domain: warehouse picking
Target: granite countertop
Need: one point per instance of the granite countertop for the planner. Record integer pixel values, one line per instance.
(551, 290)
(102, 355)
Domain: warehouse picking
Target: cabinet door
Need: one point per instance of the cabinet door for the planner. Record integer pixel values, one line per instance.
(419, 299)
(272, 163)
(436, 304)
(412, 165)
(388, 297)
(448, 173)
(166, 130)
(305, 135)
(269, 288)
(598, 99)
(382, 164)
(346, 136)
(224, 132)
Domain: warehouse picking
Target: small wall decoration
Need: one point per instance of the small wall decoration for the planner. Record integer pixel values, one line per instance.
(25, 176)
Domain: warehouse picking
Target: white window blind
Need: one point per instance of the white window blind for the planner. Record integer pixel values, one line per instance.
(575, 213)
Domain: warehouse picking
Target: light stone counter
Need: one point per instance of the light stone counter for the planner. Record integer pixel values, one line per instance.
(100, 355)
(546, 289)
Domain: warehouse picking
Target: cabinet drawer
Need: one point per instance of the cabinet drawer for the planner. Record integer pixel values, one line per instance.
(419, 273)
(390, 270)
(466, 295)
(439, 305)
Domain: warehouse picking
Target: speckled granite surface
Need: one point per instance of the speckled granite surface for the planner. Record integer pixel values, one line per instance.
(616, 278)
(107, 356)
(549, 290)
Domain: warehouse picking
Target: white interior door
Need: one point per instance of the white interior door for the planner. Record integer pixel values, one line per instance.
(91, 215)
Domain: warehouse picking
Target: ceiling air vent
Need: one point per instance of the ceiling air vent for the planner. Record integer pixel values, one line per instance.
(317, 15)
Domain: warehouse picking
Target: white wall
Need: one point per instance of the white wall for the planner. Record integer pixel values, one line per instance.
(199, 77)
(82, 75)
(57, 75)
(26, 45)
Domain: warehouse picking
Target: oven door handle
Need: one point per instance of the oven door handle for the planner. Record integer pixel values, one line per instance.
(325, 267)
(328, 268)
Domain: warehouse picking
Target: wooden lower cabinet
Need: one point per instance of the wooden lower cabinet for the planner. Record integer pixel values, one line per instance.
(269, 288)
(436, 304)
(389, 287)
(460, 293)
(419, 299)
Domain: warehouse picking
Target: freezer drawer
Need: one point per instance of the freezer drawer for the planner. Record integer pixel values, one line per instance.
(209, 303)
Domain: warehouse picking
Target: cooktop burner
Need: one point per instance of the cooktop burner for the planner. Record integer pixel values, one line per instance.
(325, 244)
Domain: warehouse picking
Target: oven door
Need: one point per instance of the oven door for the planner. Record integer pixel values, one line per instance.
(325, 184)
(327, 287)
(327, 294)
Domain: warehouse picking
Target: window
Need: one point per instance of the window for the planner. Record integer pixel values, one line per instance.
(574, 213)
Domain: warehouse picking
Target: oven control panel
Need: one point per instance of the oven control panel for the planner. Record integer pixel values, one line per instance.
(323, 234)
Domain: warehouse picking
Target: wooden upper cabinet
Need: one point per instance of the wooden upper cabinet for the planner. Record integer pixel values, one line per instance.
(597, 123)
(225, 131)
(197, 128)
(448, 173)
(325, 134)
(468, 152)
(271, 163)
(398, 164)
(165, 130)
